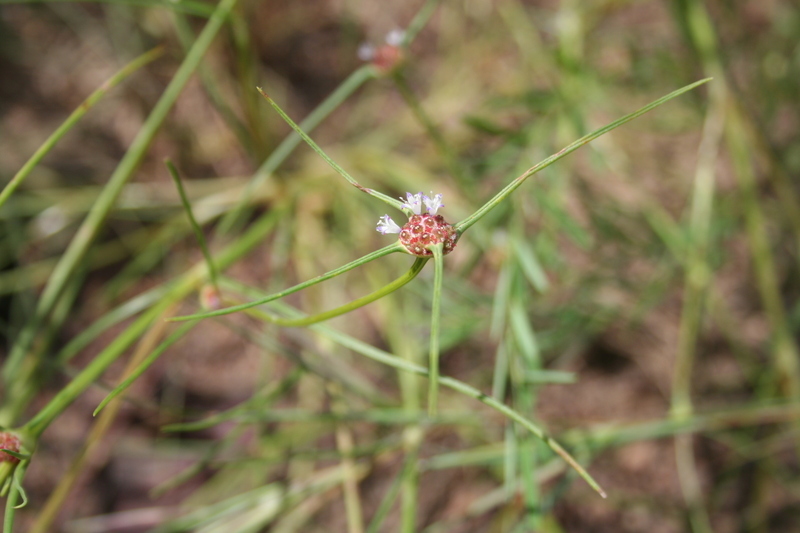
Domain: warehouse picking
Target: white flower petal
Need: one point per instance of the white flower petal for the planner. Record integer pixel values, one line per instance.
(395, 37)
(387, 225)
(413, 203)
(433, 203)
(366, 52)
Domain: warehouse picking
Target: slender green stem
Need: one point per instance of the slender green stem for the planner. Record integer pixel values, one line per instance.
(697, 283)
(199, 9)
(287, 146)
(76, 115)
(390, 497)
(419, 21)
(14, 493)
(186, 36)
(96, 368)
(396, 247)
(415, 269)
(433, 132)
(511, 187)
(396, 362)
(409, 488)
(112, 352)
(128, 309)
(342, 172)
(433, 355)
(785, 350)
(83, 239)
(147, 363)
(198, 232)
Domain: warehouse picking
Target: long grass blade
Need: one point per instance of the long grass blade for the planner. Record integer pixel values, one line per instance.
(511, 187)
(73, 119)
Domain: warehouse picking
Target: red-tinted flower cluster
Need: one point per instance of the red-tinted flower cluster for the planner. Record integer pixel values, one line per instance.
(423, 231)
(9, 441)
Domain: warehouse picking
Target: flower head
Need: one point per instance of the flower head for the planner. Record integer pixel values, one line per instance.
(423, 230)
(9, 441)
(384, 57)
(387, 225)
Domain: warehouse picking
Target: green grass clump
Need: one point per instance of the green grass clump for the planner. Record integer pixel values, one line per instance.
(628, 316)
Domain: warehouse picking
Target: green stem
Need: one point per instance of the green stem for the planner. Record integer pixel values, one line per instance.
(198, 233)
(511, 187)
(415, 269)
(76, 115)
(186, 37)
(113, 351)
(396, 247)
(14, 493)
(433, 357)
(342, 172)
(389, 497)
(785, 350)
(433, 132)
(147, 363)
(287, 146)
(395, 362)
(419, 21)
(83, 239)
(198, 9)
(96, 368)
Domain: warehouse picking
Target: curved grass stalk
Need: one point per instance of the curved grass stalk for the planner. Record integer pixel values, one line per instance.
(451, 383)
(73, 119)
(15, 492)
(190, 281)
(342, 172)
(511, 187)
(189, 7)
(415, 269)
(287, 146)
(386, 250)
(347, 88)
(147, 363)
(419, 21)
(80, 244)
(198, 232)
(48, 514)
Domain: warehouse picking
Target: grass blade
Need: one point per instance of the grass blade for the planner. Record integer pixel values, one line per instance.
(147, 363)
(83, 239)
(342, 172)
(396, 247)
(198, 232)
(511, 187)
(73, 119)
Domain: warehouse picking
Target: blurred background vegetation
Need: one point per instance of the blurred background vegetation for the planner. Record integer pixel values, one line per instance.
(639, 298)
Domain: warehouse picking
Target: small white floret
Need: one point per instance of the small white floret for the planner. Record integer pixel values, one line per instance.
(395, 37)
(433, 203)
(387, 225)
(413, 203)
(366, 52)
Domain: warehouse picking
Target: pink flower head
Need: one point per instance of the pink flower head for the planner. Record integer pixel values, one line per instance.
(423, 230)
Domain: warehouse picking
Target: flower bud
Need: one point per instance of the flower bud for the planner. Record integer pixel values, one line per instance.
(9, 441)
